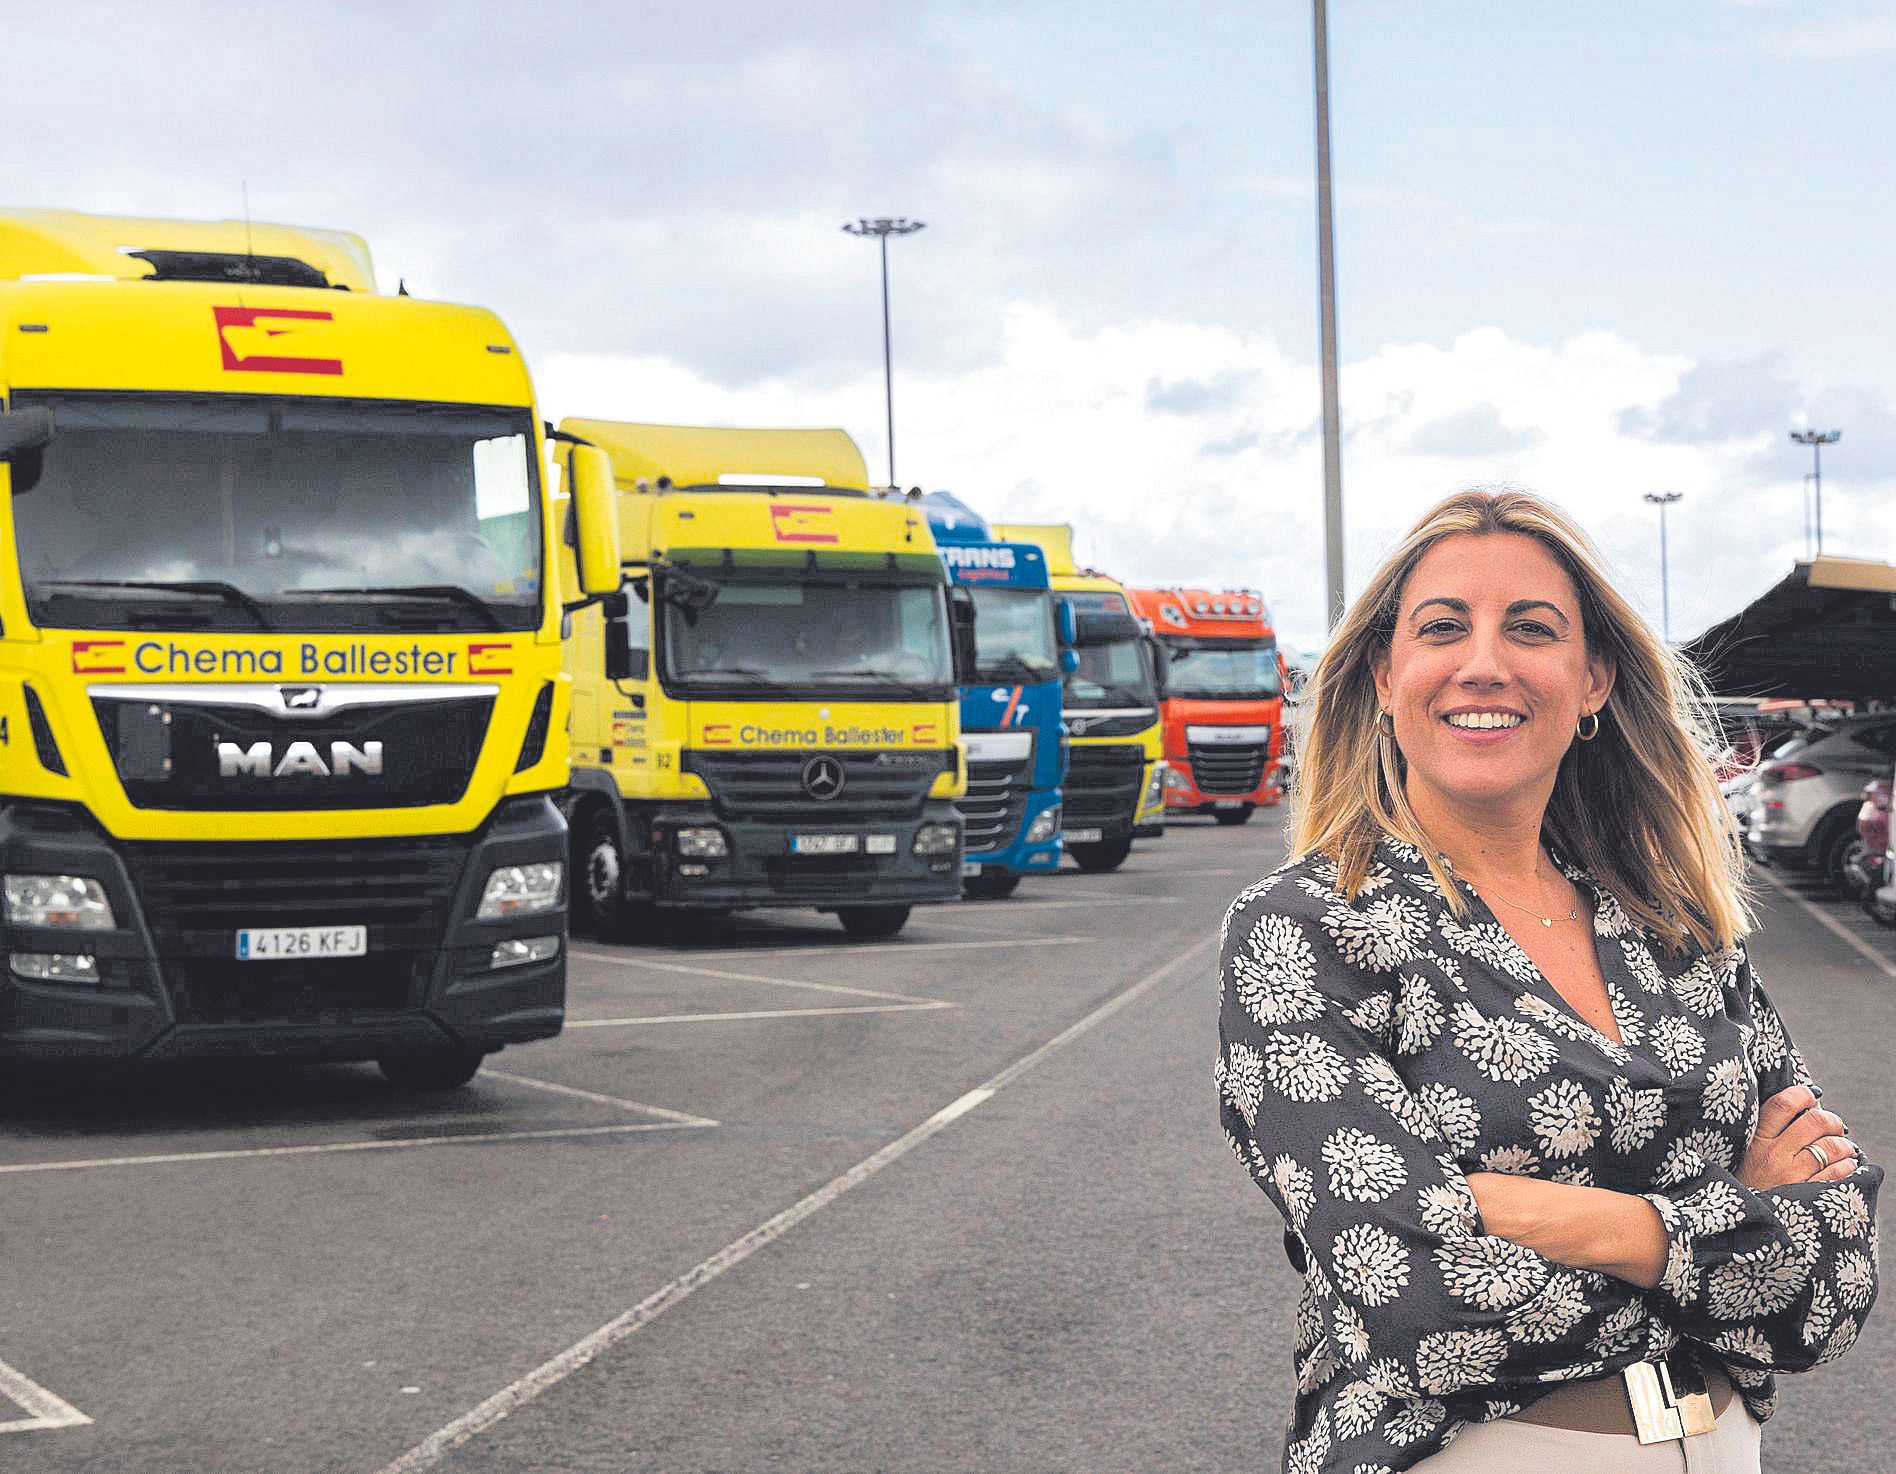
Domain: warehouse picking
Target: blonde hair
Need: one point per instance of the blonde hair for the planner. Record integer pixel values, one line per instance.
(1638, 806)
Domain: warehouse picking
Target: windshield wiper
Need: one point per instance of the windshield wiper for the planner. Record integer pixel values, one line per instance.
(452, 593)
(206, 587)
(1013, 668)
(750, 673)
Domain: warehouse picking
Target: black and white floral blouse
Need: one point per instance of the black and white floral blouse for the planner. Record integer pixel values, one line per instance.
(1376, 1050)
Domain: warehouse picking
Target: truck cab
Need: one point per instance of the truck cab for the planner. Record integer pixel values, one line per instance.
(1224, 701)
(281, 710)
(767, 713)
(1010, 711)
(1114, 788)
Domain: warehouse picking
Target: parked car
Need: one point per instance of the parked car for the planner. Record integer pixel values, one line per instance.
(1737, 766)
(1863, 860)
(1806, 797)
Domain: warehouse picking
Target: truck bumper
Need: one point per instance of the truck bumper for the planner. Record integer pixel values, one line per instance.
(759, 868)
(1185, 795)
(168, 981)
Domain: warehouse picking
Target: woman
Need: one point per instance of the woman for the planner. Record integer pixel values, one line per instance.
(1492, 1045)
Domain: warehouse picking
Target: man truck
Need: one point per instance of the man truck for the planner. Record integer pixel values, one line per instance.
(766, 714)
(1114, 789)
(281, 711)
(1010, 712)
(1224, 700)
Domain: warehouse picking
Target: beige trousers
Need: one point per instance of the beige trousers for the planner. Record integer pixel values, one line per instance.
(1509, 1446)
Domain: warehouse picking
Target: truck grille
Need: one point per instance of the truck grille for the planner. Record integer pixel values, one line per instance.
(167, 753)
(996, 799)
(1102, 783)
(196, 896)
(1234, 769)
(770, 785)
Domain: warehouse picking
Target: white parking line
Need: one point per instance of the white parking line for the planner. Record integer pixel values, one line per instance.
(755, 1013)
(1830, 924)
(431, 1450)
(859, 949)
(553, 1087)
(42, 1409)
(1091, 898)
(750, 977)
(328, 1148)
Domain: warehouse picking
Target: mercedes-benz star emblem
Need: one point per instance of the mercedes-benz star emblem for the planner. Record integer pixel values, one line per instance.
(823, 777)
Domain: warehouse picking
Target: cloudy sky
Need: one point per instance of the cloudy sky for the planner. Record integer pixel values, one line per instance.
(1593, 250)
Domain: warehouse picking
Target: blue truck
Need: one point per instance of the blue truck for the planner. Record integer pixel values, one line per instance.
(1010, 714)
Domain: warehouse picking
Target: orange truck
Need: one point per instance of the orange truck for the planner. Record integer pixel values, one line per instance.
(1224, 700)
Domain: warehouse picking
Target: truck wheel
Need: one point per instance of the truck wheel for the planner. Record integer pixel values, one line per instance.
(991, 885)
(444, 1069)
(599, 901)
(1234, 816)
(872, 921)
(1105, 854)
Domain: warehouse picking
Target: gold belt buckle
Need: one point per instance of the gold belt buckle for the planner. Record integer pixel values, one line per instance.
(1660, 1414)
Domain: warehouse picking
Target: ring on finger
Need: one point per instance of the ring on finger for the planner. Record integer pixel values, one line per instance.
(1821, 1157)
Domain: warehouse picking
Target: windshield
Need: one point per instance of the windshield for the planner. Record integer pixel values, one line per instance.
(281, 513)
(1112, 675)
(824, 634)
(1013, 635)
(1228, 670)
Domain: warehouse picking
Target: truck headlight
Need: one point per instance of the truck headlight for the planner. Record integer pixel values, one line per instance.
(1155, 785)
(1046, 824)
(521, 890)
(937, 839)
(706, 843)
(1176, 779)
(72, 902)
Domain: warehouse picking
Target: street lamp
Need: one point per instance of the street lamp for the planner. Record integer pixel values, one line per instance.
(882, 228)
(1326, 316)
(1662, 500)
(1817, 440)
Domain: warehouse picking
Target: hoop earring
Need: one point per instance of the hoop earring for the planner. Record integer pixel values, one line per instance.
(1584, 732)
(1385, 723)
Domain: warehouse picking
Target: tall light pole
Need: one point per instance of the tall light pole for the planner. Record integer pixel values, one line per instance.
(882, 228)
(1807, 550)
(1817, 440)
(1326, 311)
(1662, 500)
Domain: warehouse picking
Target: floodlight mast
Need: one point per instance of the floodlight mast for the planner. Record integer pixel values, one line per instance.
(882, 228)
(1817, 440)
(1662, 500)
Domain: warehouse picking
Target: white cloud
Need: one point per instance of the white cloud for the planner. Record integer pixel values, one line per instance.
(1846, 38)
(1224, 485)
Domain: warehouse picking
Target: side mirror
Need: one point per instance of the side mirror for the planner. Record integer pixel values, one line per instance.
(589, 481)
(1161, 677)
(25, 432)
(1065, 624)
(1069, 660)
(623, 662)
(961, 630)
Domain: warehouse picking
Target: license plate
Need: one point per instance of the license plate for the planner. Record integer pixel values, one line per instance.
(271, 943)
(1229, 803)
(1082, 836)
(969, 870)
(825, 844)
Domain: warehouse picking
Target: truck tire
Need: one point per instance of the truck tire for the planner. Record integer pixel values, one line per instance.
(1104, 854)
(991, 885)
(1234, 816)
(872, 921)
(443, 1069)
(599, 900)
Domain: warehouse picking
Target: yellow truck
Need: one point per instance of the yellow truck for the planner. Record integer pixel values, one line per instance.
(282, 715)
(1115, 784)
(767, 715)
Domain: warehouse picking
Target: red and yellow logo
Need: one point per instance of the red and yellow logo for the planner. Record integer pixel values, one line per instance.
(481, 660)
(924, 734)
(803, 522)
(717, 734)
(243, 331)
(97, 657)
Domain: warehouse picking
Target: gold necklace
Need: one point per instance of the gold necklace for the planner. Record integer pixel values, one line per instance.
(1546, 921)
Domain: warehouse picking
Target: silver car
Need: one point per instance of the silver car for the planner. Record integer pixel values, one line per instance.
(1804, 802)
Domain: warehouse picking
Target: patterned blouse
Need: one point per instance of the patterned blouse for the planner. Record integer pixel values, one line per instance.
(1376, 1050)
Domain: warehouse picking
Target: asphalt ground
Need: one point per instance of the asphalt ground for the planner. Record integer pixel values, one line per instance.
(775, 1201)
